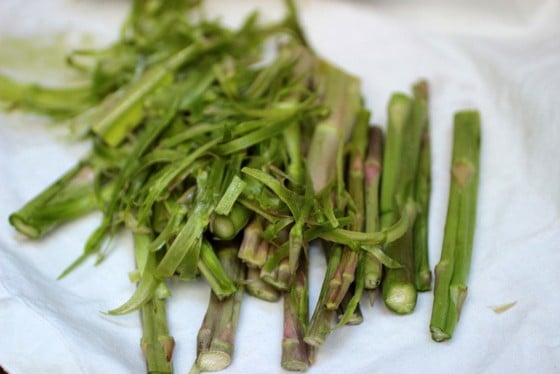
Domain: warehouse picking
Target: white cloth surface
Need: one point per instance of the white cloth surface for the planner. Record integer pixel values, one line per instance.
(502, 57)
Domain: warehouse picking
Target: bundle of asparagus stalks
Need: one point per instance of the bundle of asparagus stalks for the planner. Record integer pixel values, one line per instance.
(227, 164)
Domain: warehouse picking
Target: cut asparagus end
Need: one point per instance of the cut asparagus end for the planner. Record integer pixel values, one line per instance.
(424, 280)
(320, 326)
(26, 228)
(356, 317)
(213, 360)
(251, 241)
(293, 359)
(400, 298)
(215, 340)
(258, 288)
(439, 335)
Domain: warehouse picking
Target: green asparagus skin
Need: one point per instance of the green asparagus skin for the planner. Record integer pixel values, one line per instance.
(423, 274)
(450, 286)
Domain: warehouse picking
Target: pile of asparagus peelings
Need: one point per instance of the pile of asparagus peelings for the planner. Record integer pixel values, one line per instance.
(228, 164)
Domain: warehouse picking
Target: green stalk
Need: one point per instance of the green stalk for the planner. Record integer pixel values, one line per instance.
(451, 272)
(346, 308)
(285, 275)
(342, 278)
(274, 269)
(399, 290)
(157, 344)
(62, 201)
(399, 111)
(295, 351)
(252, 250)
(215, 340)
(321, 322)
(423, 274)
(345, 273)
(340, 93)
(55, 102)
(372, 171)
(211, 268)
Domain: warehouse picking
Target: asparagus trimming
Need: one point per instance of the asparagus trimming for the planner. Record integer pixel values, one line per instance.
(451, 273)
(345, 273)
(295, 351)
(372, 172)
(423, 274)
(215, 340)
(258, 288)
(157, 345)
(399, 290)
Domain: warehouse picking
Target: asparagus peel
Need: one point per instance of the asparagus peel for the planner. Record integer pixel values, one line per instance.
(452, 270)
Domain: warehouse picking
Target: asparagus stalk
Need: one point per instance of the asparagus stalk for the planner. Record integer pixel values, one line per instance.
(346, 307)
(276, 271)
(321, 322)
(253, 250)
(211, 268)
(157, 344)
(399, 290)
(372, 171)
(215, 340)
(65, 199)
(397, 293)
(423, 274)
(56, 102)
(451, 272)
(295, 351)
(345, 273)
(340, 92)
